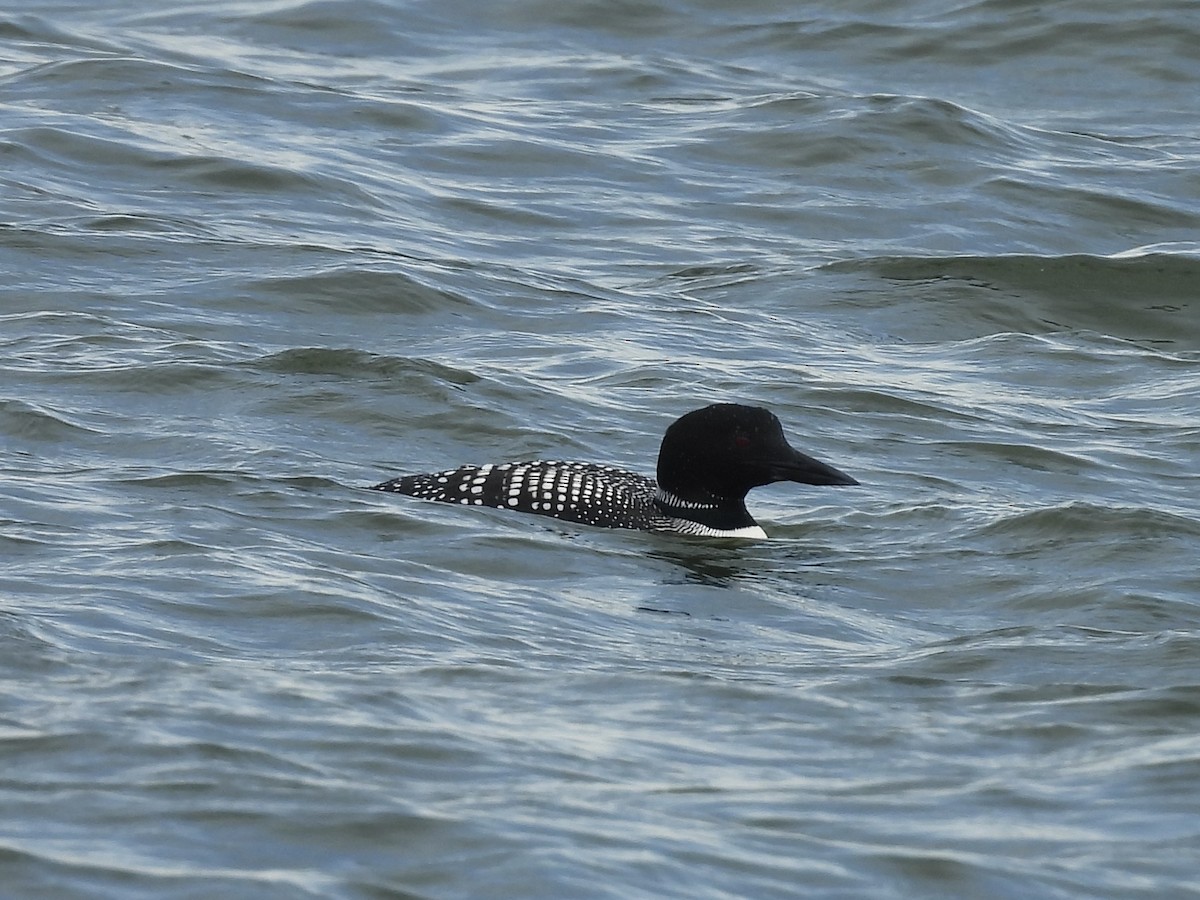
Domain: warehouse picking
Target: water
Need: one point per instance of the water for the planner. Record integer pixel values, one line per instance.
(259, 255)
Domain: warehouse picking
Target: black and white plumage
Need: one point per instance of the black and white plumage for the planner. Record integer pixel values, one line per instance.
(708, 461)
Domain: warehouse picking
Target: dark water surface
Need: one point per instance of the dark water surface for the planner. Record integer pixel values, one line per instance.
(258, 255)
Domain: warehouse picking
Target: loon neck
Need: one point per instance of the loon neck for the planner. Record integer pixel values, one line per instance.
(720, 513)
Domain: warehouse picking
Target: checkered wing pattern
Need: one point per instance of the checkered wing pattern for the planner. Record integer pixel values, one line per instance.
(577, 492)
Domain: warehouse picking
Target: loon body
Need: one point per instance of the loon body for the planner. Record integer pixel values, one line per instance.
(709, 459)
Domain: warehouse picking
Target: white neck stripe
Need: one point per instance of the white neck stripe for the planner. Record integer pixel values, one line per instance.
(666, 498)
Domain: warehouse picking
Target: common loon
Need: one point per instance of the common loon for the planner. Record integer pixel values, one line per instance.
(709, 459)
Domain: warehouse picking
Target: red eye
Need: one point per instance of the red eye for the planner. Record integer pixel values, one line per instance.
(742, 441)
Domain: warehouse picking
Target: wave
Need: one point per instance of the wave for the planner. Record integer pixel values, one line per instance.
(1147, 296)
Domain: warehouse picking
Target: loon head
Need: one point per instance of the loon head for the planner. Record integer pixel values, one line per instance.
(720, 452)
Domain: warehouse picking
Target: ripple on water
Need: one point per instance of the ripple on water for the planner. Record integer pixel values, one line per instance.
(258, 257)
